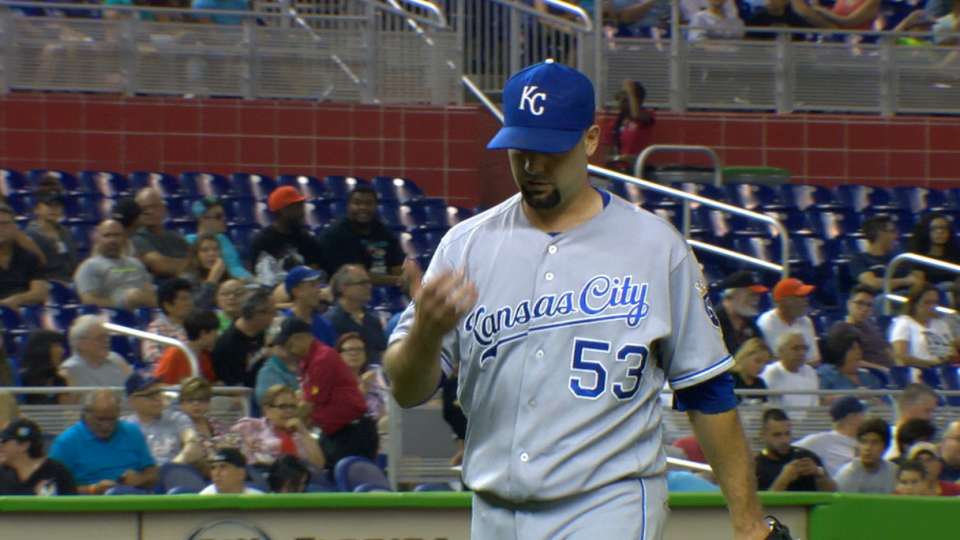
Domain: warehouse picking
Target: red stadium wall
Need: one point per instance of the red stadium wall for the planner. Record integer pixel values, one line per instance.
(440, 148)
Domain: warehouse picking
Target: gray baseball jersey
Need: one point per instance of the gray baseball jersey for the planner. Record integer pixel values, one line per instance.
(563, 356)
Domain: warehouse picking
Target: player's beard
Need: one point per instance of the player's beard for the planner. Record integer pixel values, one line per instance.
(545, 201)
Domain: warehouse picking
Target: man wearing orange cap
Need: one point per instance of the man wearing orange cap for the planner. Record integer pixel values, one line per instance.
(790, 315)
(287, 242)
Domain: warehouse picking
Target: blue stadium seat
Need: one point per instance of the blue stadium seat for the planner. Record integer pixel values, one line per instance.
(257, 186)
(106, 183)
(179, 208)
(323, 212)
(424, 239)
(31, 316)
(310, 186)
(389, 299)
(389, 212)
(177, 475)
(241, 210)
(86, 207)
(201, 184)
(21, 203)
(341, 186)
(67, 180)
(755, 197)
(427, 212)
(434, 486)
(456, 214)
(166, 184)
(951, 381)
(859, 198)
(353, 472)
(12, 181)
(709, 191)
(241, 234)
(389, 188)
(82, 233)
(59, 317)
(900, 376)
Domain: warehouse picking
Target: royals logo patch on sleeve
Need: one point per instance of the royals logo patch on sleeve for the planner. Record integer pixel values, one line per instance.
(707, 305)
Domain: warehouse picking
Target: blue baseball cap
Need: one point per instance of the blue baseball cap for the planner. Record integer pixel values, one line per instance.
(546, 108)
(298, 275)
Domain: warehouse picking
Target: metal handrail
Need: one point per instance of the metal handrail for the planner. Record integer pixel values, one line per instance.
(833, 31)
(912, 257)
(586, 24)
(574, 10)
(766, 265)
(427, 5)
(687, 464)
(654, 148)
(149, 336)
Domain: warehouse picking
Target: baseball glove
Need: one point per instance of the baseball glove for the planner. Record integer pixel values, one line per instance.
(778, 531)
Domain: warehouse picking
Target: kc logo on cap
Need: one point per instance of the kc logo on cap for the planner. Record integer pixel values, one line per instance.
(546, 108)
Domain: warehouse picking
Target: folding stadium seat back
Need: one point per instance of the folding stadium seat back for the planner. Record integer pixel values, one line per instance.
(11, 182)
(389, 188)
(426, 212)
(257, 186)
(181, 475)
(241, 234)
(859, 198)
(166, 184)
(457, 214)
(86, 207)
(650, 199)
(62, 294)
(21, 203)
(105, 183)
(389, 212)
(903, 219)
(354, 472)
(203, 184)
(311, 186)
(67, 181)
(341, 186)
(179, 208)
(754, 196)
(240, 210)
(82, 234)
(935, 200)
(705, 190)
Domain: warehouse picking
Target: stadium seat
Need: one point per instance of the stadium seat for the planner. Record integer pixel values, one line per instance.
(86, 207)
(21, 203)
(59, 318)
(757, 197)
(900, 376)
(241, 234)
(201, 184)
(456, 214)
(389, 188)
(859, 198)
(434, 486)
(166, 184)
(257, 186)
(179, 208)
(421, 240)
(390, 215)
(427, 212)
(951, 381)
(323, 212)
(352, 472)
(105, 183)
(67, 180)
(311, 186)
(341, 186)
(321, 481)
(11, 182)
(11, 319)
(183, 476)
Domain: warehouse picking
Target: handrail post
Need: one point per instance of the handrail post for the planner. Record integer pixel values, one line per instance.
(129, 54)
(8, 52)
(915, 258)
(678, 98)
(654, 148)
(888, 77)
(369, 89)
(250, 77)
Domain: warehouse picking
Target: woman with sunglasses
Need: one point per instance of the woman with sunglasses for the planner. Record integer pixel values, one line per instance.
(212, 219)
(280, 432)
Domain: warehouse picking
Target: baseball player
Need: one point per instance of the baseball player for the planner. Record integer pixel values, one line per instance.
(565, 310)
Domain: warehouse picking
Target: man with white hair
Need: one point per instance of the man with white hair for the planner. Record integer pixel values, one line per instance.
(93, 363)
(738, 311)
(791, 373)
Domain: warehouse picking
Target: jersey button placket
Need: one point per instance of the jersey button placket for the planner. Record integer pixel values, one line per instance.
(524, 457)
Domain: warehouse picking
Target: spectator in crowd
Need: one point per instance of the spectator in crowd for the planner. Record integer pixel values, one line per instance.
(110, 279)
(361, 238)
(751, 359)
(938, 8)
(49, 182)
(231, 5)
(715, 22)
(289, 346)
(844, 14)
(950, 451)
(163, 252)
(239, 351)
(351, 348)
(202, 328)
(948, 23)
(842, 367)
(916, 402)
(279, 432)
(838, 446)
(790, 315)
(166, 431)
(352, 289)
(21, 271)
(25, 469)
(175, 297)
(920, 336)
(195, 396)
(782, 467)
(877, 352)
(926, 453)
(206, 270)
(791, 372)
(641, 18)
(868, 472)
(933, 236)
(285, 243)
(228, 470)
(41, 360)
(103, 451)
(738, 311)
(771, 13)
(868, 266)
(8, 409)
(912, 479)
(212, 220)
(288, 475)
(305, 290)
(230, 296)
(59, 249)
(633, 127)
(92, 362)
(127, 212)
(910, 433)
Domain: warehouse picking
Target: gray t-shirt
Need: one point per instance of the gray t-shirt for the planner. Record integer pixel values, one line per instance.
(113, 372)
(166, 243)
(854, 478)
(111, 278)
(164, 434)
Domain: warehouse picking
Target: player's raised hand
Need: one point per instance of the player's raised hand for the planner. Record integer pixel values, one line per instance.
(442, 301)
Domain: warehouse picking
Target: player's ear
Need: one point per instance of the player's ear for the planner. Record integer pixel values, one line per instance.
(591, 139)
